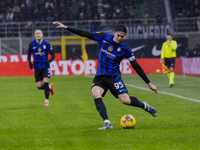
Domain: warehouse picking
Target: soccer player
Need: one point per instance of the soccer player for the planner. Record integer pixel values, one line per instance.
(108, 76)
(169, 55)
(40, 49)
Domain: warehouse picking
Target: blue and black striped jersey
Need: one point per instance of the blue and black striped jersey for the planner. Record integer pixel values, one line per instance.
(110, 54)
(40, 53)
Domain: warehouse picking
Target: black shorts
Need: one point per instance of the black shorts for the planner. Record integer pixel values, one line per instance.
(170, 62)
(42, 73)
(114, 83)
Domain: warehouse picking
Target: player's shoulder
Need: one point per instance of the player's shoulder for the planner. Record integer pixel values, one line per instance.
(45, 41)
(101, 33)
(125, 47)
(173, 41)
(164, 43)
(32, 42)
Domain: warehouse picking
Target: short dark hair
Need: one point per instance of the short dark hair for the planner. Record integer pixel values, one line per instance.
(121, 28)
(169, 34)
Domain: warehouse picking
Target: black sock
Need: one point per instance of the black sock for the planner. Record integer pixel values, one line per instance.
(46, 90)
(135, 102)
(41, 88)
(101, 108)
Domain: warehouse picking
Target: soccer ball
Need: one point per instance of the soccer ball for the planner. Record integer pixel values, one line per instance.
(157, 71)
(127, 121)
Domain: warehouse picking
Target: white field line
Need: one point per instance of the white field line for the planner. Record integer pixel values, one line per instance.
(147, 89)
(179, 96)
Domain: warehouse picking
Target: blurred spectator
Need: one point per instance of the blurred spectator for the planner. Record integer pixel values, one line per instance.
(38, 10)
(9, 15)
(186, 52)
(196, 51)
(159, 17)
(186, 8)
(49, 5)
(198, 23)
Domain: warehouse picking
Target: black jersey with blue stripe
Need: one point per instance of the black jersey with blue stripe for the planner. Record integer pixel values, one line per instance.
(40, 53)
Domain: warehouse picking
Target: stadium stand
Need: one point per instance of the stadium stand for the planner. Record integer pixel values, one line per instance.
(19, 18)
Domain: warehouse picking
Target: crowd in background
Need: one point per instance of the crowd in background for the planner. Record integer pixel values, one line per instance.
(69, 10)
(195, 52)
(186, 8)
(48, 10)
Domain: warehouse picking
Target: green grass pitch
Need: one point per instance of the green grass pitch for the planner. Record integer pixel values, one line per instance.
(71, 121)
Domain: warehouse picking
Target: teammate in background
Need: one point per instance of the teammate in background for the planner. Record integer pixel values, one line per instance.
(169, 54)
(40, 49)
(108, 76)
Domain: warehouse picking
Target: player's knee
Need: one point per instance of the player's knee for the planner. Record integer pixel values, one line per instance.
(126, 102)
(39, 87)
(97, 92)
(125, 99)
(46, 85)
(96, 95)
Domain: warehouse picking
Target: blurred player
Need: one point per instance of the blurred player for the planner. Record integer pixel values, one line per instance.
(108, 76)
(40, 49)
(169, 54)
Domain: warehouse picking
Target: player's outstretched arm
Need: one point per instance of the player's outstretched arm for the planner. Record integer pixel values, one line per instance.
(152, 87)
(59, 25)
(77, 31)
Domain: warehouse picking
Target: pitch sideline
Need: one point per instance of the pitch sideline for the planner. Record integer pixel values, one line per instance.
(179, 96)
(166, 93)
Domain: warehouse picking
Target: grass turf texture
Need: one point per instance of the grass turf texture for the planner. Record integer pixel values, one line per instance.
(71, 121)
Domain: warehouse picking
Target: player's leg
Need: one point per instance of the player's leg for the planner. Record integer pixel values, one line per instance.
(172, 74)
(97, 91)
(168, 63)
(38, 79)
(47, 87)
(133, 101)
(101, 108)
(119, 90)
(40, 85)
(171, 79)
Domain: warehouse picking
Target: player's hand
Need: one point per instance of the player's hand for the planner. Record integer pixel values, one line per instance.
(30, 65)
(152, 87)
(59, 25)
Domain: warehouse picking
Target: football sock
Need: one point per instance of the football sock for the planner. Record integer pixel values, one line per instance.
(168, 74)
(46, 90)
(101, 108)
(135, 102)
(171, 79)
(107, 121)
(41, 88)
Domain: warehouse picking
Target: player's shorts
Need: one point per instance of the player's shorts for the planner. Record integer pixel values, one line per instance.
(112, 82)
(42, 73)
(170, 62)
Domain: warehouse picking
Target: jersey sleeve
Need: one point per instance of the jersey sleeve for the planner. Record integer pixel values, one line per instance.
(130, 55)
(30, 48)
(131, 58)
(50, 48)
(162, 52)
(91, 35)
(173, 45)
